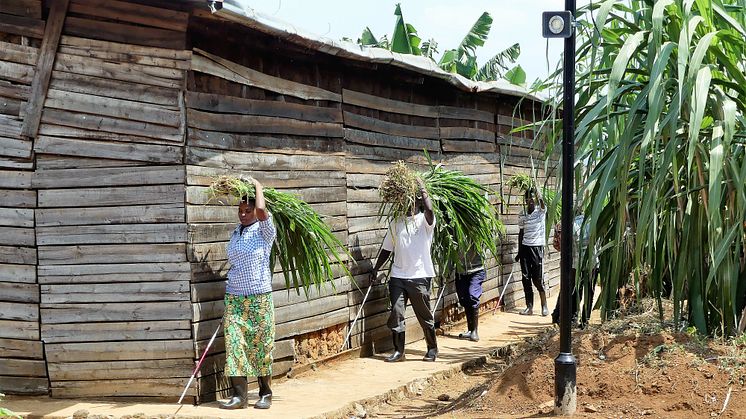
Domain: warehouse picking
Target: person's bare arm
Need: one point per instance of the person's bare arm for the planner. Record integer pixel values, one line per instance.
(382, 258)
(429, 215)
(540, 198)
(260, 205)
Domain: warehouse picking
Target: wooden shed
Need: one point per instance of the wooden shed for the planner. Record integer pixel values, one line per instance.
(114, 116)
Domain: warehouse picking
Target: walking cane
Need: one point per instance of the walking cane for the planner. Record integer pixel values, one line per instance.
(505, 287)
(349, 332)
(199, 364)
(442, 289)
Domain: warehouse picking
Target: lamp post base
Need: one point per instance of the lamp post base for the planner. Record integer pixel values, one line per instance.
(565, 396)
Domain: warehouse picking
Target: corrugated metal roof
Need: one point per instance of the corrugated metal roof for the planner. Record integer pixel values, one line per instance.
(239, 11)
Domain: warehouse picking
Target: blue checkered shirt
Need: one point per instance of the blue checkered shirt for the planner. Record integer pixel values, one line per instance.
(249, 255)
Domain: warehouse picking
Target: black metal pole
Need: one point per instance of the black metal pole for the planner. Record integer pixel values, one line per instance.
(565, 397)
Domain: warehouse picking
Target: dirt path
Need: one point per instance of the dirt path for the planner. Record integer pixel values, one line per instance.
(629, 369)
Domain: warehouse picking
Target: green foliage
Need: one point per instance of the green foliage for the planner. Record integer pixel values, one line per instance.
(404, 39)
(660, 132)
(305, 246)
(497, 66)
(520, 181)
(461, 60)
(7, 413)
(516, 75)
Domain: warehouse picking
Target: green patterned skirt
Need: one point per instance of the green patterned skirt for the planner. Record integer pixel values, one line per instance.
(249, 327)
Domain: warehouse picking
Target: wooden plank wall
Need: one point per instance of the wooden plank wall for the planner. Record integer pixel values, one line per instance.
(110, 223)
(22, 368)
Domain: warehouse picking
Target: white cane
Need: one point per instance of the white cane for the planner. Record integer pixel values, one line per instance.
(505, 287)
(442, 290)
(199, 364)
(352, 326)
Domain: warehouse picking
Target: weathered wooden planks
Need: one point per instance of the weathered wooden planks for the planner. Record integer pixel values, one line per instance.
(281, 144)
(116, 331)
(228, 104)
(120, 292)
(261, 124)
(116, 176)
(22, 25)
(117, 32)
(43, 73)
(157, 213)
(388, 105)
(132, 13)
(150, 153)
(112, 107)
(112, 253)
(28, 8)
(116, 312)
(217, 66)
(391, 128)
(254, 161)
(124, 195)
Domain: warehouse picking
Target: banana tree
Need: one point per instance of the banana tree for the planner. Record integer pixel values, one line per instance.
(661, 135)
(460, 60)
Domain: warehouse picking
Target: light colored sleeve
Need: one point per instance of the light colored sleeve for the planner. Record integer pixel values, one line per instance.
(429, 227)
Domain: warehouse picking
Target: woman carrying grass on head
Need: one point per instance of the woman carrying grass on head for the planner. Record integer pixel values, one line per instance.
(410, 239)
(531, 242)
(249, 321)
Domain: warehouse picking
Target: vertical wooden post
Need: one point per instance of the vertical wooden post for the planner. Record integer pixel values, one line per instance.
(44, 65)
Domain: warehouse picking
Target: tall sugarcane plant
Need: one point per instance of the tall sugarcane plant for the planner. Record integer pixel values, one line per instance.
(465, 217)
(305, 246)
(660, 132)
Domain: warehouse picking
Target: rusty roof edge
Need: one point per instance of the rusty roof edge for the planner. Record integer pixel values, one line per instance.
(238, 11)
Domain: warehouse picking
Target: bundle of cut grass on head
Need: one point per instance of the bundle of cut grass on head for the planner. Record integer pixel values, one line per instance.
(398, 191)
(465, 217)
(305, 245)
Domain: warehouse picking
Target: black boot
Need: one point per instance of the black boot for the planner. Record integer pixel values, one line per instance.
(475, 325)
(239, 400)
(398, 355)
(265, 392)
(469, 324)
(432, 345)
(528, 311)
(544, 308)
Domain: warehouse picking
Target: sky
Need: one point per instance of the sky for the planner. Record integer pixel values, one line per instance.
(447, 21)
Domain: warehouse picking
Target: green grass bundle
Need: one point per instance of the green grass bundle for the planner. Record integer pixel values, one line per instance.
(520, 181)
(305, 245)
(465, 217)
(398, 191)
(552, 199)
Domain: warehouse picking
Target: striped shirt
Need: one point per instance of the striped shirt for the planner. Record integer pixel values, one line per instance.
(534, 228)
(249, 256)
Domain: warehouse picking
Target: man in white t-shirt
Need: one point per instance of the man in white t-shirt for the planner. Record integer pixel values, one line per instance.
(531, 242)
(410, 240)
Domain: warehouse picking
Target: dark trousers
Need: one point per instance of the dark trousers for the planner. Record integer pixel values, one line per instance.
(532, 260)
(416, 290)
(584, 291)
(469, 288)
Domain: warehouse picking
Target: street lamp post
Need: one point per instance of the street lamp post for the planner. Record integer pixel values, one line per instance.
(561, 25)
